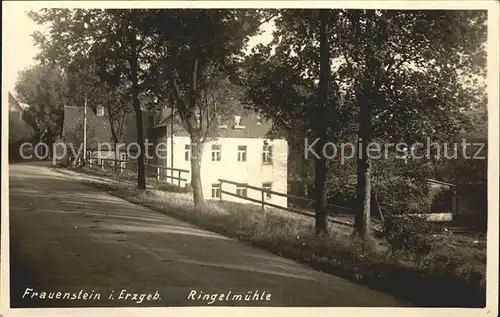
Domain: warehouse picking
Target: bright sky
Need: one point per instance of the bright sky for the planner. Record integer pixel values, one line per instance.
(18, 50)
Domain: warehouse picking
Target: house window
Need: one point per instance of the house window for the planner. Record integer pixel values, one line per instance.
(123, 156)
(241, 191)
(237, 123)
(216, 149)
(100, 111)
(216, 190)
(242, 153)
(267, 186)
(267, 154)
(187, 150)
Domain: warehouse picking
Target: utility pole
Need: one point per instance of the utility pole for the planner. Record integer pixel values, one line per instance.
(172, 143)
(85, 131)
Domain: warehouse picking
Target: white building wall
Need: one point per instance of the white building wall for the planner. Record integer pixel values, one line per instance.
(253, 171)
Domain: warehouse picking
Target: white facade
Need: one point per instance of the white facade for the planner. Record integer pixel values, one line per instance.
(231, 163)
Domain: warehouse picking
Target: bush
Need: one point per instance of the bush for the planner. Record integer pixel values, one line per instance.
(408, 233)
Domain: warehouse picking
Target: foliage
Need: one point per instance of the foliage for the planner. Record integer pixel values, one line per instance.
(87, 88)
(44, 89)
(471, 178)
(113, 43)
(423, 80)
(408, 233)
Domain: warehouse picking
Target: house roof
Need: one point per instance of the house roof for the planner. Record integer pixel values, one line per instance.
(251, 126)
(98, 128)
(14, 105)
(19, 129)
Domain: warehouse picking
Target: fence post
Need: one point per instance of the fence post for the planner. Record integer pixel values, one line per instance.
(158, 174)
(220, 190)
(179, 180)
(263, 203)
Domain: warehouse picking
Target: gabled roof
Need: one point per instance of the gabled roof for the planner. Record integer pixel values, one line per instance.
(14, 105)
(251, 126)
(98, 128)
(19, 129)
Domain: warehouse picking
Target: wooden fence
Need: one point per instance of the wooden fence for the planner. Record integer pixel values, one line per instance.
(309, 203)
(263, 203)
(150, 169)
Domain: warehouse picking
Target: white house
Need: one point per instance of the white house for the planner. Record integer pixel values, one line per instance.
(237, 151)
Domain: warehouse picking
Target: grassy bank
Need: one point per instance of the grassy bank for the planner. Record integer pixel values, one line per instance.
(451, 274)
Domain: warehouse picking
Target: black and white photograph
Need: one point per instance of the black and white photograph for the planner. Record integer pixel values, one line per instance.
(184, 154)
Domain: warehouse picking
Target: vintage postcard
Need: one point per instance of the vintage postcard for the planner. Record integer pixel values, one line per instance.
(249, 157)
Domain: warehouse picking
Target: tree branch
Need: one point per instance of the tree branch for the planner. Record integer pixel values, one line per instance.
(181, 106)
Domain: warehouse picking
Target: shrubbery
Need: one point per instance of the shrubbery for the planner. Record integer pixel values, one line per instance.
(407, 233)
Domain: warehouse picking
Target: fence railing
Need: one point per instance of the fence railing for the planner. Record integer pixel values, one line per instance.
(123, 165)
(263, 202)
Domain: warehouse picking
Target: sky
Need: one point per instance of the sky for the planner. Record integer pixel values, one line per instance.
(18, 50)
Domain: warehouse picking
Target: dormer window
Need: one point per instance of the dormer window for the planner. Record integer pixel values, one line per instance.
(100, 111)
(220, 125)
(237, 123)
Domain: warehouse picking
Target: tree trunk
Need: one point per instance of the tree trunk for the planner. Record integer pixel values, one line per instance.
(196, 154)
(141, 175)
(50, 144)
(319, 193)
(365, 98)
(363, 193)
(304, 174)
(298, 166)
(195, 133)
(363, 189)
(320, 169)
(188, 117)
